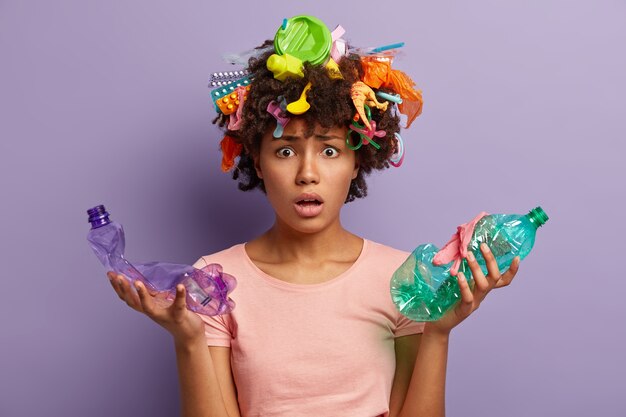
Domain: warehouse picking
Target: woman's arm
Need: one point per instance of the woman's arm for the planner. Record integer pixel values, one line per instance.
(420, 376)
(200, 390)
(406, 348)
(221, 361)
(426, 392)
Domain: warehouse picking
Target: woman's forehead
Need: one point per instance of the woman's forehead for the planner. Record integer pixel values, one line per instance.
(301, 129)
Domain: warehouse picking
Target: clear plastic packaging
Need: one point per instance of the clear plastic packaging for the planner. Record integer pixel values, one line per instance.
(207, 288)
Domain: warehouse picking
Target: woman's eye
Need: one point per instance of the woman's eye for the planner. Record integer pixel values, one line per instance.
(331, 152)
(284, 152)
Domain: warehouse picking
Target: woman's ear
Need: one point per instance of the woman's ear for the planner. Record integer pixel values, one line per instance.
(355, 172)
(257, 165)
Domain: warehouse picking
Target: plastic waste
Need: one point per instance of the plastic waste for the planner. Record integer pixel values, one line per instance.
(207, 289)
(304, 37)
(423, 290)
(284, 66)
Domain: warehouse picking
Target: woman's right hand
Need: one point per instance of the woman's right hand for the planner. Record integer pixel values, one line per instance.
(184, 325)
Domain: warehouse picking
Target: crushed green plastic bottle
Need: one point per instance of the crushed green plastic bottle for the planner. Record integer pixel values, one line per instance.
(425, 292)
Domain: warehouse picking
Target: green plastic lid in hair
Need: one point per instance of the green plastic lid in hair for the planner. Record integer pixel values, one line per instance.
(304, 37)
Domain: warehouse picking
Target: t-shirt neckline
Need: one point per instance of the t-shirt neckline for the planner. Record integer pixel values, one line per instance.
(304, 287)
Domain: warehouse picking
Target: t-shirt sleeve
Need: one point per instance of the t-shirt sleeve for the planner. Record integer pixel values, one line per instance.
(405, 326)
(217, 329)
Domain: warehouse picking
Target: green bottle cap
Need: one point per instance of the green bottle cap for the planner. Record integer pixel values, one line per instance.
(538, 217)
(306, 38)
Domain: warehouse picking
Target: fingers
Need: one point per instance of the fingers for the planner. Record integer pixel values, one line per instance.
(124, 291)
(493, 271)
(508, 276)
(132, 298)
(471, 299)
(147, 304)
(115, 284)
(180, 303)
(146, 301)
(481, 283)
(466, 305)
(494, 279)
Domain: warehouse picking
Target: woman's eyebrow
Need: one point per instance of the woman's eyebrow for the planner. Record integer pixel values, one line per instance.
(327, 137)
(287, 138)
(291, 138)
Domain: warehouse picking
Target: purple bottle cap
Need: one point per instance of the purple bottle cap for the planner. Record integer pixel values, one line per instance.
(98, 216)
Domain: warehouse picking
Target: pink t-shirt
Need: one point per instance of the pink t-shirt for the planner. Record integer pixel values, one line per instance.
(312, 350)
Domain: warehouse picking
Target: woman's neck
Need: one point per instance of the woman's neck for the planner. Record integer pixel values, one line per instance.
(286, 244)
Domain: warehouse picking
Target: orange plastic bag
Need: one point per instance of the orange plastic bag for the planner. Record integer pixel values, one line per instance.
(230, 150)
(378, 73)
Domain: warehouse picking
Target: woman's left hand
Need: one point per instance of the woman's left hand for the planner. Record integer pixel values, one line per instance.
(471, 299)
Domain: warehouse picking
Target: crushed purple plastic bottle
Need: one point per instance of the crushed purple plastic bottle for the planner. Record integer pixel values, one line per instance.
(207, 289)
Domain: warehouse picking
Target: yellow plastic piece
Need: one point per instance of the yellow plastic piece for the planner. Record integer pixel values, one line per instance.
(301, 105)
(284, 66)
(333, 70)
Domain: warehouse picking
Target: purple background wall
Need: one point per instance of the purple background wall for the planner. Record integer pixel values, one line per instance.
(106, 102)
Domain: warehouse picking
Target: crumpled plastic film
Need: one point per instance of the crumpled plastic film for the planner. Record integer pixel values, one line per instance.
(456, 248)
(378, 73)
(230, 151)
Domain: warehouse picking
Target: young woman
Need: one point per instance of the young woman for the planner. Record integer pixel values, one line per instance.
(314, 331)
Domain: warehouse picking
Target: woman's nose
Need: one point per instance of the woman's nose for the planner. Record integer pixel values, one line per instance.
(307, 171)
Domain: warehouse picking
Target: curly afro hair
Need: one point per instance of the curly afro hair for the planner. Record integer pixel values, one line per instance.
(331, 106)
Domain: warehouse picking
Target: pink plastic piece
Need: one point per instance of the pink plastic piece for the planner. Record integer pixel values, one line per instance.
(339, 45)
(275, 109)
(369, 133)
(397, 158)
(456, 249)
(234, 122)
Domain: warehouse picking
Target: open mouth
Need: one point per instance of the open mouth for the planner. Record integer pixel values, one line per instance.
(309, 203)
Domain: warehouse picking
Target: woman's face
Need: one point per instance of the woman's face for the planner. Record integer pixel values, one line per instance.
(306, 179)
